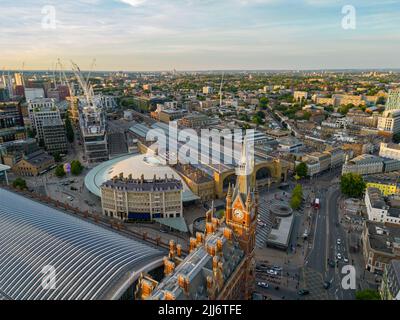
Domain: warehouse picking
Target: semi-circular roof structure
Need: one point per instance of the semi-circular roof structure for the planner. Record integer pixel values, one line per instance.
(90, 262)
(136, 165)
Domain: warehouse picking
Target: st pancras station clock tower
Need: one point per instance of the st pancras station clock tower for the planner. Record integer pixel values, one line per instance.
(241, 215)
(220, 264)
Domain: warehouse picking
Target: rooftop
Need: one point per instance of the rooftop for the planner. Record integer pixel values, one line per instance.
(382, 237)
(91, 262)
(141, 184)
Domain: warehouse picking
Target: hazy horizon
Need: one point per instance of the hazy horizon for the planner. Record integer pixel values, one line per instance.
(199, 35)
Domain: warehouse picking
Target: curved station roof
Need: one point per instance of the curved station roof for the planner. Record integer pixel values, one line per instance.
(89, 262)
(136, 165)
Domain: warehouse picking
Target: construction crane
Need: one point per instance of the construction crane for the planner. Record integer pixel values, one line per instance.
(220, 91)
(87, 89)
(90, 71)
(71, 92)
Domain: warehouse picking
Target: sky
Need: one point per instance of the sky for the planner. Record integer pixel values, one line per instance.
(147, 35)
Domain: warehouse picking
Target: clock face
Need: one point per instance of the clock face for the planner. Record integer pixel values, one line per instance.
(238, 213)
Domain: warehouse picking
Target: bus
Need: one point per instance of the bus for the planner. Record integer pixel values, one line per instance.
(316, 203)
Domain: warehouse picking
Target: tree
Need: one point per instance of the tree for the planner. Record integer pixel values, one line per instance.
(261, 114)
(257, 120)
(76, 167)
(69, 129)
(20, 183)
(352, 185)
(297, 197)
(302, 170)
(60, 172)
(57, 157)
(368, 294)
(263, 103)
(295, 203)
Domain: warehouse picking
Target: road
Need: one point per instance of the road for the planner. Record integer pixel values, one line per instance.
(327, 231)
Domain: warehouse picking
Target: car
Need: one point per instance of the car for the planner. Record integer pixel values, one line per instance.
(263, 284)
(277, 268)
(331, 263)
(339, 256)
(303, 292)
(345, 259)
(327, 285)
(338, 242)
(70, 198)
(272, 272)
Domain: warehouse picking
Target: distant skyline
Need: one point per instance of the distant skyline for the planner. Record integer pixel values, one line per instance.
(151, 35)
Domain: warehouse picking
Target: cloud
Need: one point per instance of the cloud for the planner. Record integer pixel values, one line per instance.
(133, 3)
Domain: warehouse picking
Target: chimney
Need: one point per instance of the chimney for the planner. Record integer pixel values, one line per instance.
(193, 244)
(172, 249)
(228, 233)
(199, 238)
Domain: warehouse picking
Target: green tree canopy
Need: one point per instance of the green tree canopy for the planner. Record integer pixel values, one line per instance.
(261, 114)
(60, 172)
(297, 197)
(263, 103)
(257, 120)
(57, 157)
(76, 167)
(368, 294)
(302, 170)
(20, 183)
(352, 185)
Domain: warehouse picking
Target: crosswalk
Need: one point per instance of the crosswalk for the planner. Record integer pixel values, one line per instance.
(262, 233)
(313, 281)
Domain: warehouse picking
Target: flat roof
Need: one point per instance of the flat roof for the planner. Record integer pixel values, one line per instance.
(90, 262)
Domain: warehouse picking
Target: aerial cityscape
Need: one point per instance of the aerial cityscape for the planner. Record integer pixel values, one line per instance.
(196, 157)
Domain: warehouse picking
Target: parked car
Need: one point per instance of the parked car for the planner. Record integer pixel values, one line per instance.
(327, 285)
(303, 292)
(272, 272)
(263, 284)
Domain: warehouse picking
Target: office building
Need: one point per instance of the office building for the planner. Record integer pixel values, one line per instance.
(393, 100)
(34, 93)
(142, 199)
(54, 136)
(364, 164)
(208, 90)
(11, 122)
(390, 150)
(389, 121)
(381, 209)
(41, 111)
